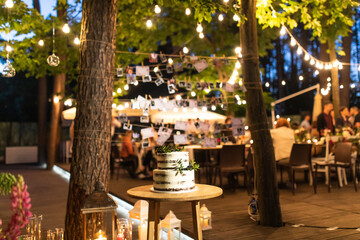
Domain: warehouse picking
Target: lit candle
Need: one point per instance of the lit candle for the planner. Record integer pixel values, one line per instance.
(206, 222)
(120, 236)
(202, 221)
(101, 236)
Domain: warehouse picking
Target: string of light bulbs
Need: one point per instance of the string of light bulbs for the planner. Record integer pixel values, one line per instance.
(8, 70)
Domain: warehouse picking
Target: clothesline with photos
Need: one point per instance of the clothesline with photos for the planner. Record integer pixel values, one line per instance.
(181, 127)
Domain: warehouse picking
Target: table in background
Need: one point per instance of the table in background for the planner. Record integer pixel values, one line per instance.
(203, 192)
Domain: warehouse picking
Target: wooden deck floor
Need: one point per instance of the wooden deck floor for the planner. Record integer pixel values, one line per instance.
(340, 208)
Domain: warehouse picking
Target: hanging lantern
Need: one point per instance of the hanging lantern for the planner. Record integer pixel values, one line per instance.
(53, 60)
(170, 223)
(138, 216)
(8, 70)
(205, 218)
(99, 214)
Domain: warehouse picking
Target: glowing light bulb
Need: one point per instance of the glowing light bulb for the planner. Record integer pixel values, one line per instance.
(328, 79)
(199, 28)
(156, 69)
(329, 84)
(324, 91)
(316, 72)
(207, 90)
(118, 90)
(185, 50)
(193, 94)
(201, 35)
(283, 83)
(195, 109)
(292, 42)
(114, 93)
(56, 99)
(149, 23)
(251, 141)
(243, 101)
(165, 100)
(178, 97)
(340, 66)
(221, 17)
(184, 109)
(352, 85)
(157, 9)
(236, 18)
(312, 61)
(237, 65)
(170, 61)
(239, 102)
(238, 50)
(8, 48)
(277, 116)
(41, 42)
(246, 127)
(267, 84)
(127, 105)
(187, 11)
(359, 68)
(301, 78)
(204, 109)
(213, 107)
(126, 87)
(283, 31)
(299, 51)
(77, 41)
(113, 105)
(341, 86)
(136, 83)
(68, 102)
(66, 28)
(226, 1)
(9, 3)
(176, 110)
(288, 119)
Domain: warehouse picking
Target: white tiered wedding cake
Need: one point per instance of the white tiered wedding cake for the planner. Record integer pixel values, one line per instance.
(173, 173)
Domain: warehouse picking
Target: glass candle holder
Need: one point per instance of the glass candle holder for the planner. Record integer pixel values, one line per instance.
(123, 229)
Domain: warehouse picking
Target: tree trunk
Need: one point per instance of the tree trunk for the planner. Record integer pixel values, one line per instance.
(91, 149)
(268, 194)
(334, 79)
(345, 73)
(42, 102)
(324, 74)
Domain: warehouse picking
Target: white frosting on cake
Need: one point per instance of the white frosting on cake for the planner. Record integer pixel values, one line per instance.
(169, 160)
(167, 179)
(171, 180)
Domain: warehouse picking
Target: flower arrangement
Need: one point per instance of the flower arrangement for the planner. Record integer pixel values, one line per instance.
(20, 204)
(169, 148)
(180, 168)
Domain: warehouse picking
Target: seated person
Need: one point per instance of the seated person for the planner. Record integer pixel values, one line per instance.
(283, 139)
(128, 155)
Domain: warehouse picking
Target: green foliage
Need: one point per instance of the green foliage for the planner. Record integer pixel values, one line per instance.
(7, 181)
(180, 167)
(169, 148)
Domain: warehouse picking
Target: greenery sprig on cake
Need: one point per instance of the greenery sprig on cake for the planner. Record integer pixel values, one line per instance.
(169, 148)
(180, 167)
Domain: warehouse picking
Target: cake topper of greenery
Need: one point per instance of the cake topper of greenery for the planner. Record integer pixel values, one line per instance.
(180, 167)
(169, 148)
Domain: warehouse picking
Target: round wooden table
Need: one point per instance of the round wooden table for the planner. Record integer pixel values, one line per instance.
(203, 192)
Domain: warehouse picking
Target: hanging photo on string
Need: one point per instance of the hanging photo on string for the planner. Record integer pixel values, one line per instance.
(162, 139)
(211, 86)
(202, 136)
(218, 85)
(184, 103)
(198, 86)
(163, 58)
(147, 132)
(123, 117)
(130, 78)
(173, 81)
(209, 142)
(169, 69)
(165, 131)
(127, 126)
(146, 111)
(178, 67)
(144, 119)
(190, 138)
(159, 81)
(171, 88)
(153, 58)
(142, 70)
(201, 65)
(225, 106)
(119, 72)
(189, 86)
(226, 61)
(204, 85)
(182, 84)
(129, 70)
(180, 139)
(146, 78)
(145, 143)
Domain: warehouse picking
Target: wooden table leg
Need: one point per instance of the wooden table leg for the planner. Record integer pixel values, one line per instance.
(196, 220)
(153, 220)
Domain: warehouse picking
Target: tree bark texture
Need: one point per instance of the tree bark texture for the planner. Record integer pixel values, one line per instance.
(42, 102)
(334, 79)
(91, 149)
(268, 194)
(323, 75)
(345, 73)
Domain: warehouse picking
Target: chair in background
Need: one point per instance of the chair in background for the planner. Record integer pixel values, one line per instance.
(231, 161)
(342, 160)
(203, 158)
(300, 159)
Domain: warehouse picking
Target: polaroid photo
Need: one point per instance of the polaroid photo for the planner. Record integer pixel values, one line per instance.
(146, 78)
(136, 135)
(165, 131)
(217, 128)
(172, 81)
(204, 85)
(189, 86)
(135, 104)
(197, 125)
(201, 65)
(147, 132)
(162, 139)
(180, 125)
(191, 138)
(153, 58)
(146, 111)
(202, 135)
(163, 58)
(142, 70)
(119, 72)
(184, 103)
(171, 88)
(145, 143)
(225, 106)
(180, 139)
(182, 84)
(209, 142)
(152, 103)
(211, 86)
(238, 131)
(204, 127)
(123, 117)
(198, 86)
(159, 81)
(129, 70)
(127, 126)
(218, 85)
(224, 139)
(192, 103)
(130, 78)
(169, 69)
(144, 119)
